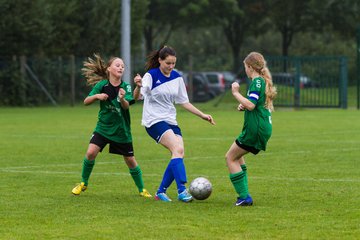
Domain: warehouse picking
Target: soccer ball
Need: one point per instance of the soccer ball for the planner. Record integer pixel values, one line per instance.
(200, 188)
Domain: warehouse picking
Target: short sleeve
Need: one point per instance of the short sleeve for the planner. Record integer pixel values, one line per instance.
(146, 84)
(128, 94)
(255, 90)
(182, 96)
(96, 89)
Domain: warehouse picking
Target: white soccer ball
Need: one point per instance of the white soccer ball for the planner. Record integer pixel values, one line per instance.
(200, 188)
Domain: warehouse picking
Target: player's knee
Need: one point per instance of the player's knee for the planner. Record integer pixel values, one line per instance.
(226, 157)
(91, 155)
(179, 151)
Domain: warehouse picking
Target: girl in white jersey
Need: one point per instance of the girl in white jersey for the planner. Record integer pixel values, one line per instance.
(162, 87)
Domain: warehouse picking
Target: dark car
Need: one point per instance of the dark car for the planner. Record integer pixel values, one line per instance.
(216, 82)
(200, 87)
(229, 78)
(288, 79)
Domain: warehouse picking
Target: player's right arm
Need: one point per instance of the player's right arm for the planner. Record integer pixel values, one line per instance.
(138, 85)
(90, 99)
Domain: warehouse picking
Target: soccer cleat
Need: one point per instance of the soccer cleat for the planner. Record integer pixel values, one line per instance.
(145, 194)
(185, 196)
(162, 197)
(243, 202)
(79, 188)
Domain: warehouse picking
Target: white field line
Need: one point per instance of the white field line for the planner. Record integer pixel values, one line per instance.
(187, 158)
(51, 136)
(190, 175)
(36, 170)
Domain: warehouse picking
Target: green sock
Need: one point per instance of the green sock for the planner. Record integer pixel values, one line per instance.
(88, 166)
(244, 168)
(238, 180)
(136, 174)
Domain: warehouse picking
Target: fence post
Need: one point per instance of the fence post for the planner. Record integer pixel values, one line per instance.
(72, 80)
(190, 79)
(60, 79)
(22, 84)
(358, 68)
(297, 82)
(343, 82)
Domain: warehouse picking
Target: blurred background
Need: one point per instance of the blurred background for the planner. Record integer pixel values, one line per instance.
(310, 45)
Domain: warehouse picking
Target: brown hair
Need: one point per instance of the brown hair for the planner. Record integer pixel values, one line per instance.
(162, 53)
(258, 63)
(95, 70)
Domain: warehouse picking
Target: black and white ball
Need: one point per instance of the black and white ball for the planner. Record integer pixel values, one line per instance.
(200, 188)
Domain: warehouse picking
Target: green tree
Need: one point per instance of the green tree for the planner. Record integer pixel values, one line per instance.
(237, 19)
(23, 27)
(289, 17)
(64, 32)
(164, 17)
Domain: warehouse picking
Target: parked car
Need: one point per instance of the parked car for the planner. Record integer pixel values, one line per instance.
(288, 79)
(216, 82)
(200, 88)
(229, 78)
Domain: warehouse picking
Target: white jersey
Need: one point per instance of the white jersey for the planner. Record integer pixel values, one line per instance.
(160, 94)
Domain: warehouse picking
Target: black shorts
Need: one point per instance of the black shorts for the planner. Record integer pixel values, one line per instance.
(247, 148)
(125, 149)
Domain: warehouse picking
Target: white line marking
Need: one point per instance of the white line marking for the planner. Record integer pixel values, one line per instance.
(190, 176)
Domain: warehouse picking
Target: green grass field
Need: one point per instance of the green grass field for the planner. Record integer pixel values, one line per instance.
(305, 186)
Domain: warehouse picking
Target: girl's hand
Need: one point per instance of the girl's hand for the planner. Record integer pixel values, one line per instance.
(209, 119)
(121, 93)
(241, 107)
(235, 87)
(102, 96)
(137, 80)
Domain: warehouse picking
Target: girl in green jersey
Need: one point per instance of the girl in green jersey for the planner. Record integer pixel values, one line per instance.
(113, 126)
(257, 128)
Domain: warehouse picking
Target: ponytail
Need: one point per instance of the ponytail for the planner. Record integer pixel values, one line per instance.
(162, 53)
(270, 89)
(258, 63)
(95, 70)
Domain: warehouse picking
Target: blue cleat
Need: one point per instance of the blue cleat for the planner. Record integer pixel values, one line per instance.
(185, 196)
(243, 202)
(162, 197)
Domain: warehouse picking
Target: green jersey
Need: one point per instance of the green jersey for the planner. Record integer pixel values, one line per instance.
(257, 123)
(113, 121)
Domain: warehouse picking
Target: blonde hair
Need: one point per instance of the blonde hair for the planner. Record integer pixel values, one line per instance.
(258, 63)
(95, 70)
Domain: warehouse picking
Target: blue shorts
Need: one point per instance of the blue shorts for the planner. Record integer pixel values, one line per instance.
(158, 129)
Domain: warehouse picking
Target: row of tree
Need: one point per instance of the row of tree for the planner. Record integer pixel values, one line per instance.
(212, 33)
(44, 42)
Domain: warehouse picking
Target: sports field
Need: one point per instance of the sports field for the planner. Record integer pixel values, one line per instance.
(305, 186)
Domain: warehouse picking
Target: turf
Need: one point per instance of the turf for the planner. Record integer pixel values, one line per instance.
(305, 186)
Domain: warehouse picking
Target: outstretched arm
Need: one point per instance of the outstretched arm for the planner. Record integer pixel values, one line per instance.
(191, 108)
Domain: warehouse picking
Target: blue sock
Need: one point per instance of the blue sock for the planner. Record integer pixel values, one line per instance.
(178, 169)
(168, 178)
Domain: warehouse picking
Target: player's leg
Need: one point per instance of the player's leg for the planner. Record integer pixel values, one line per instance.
(234, 160)
(173, 141)
(97, 143)
(136, 174)
(88, 165)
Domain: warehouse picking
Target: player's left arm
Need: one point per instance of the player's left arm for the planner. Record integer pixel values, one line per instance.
(121, 99)
(191, 108)
(246, 103)
(125, 97)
